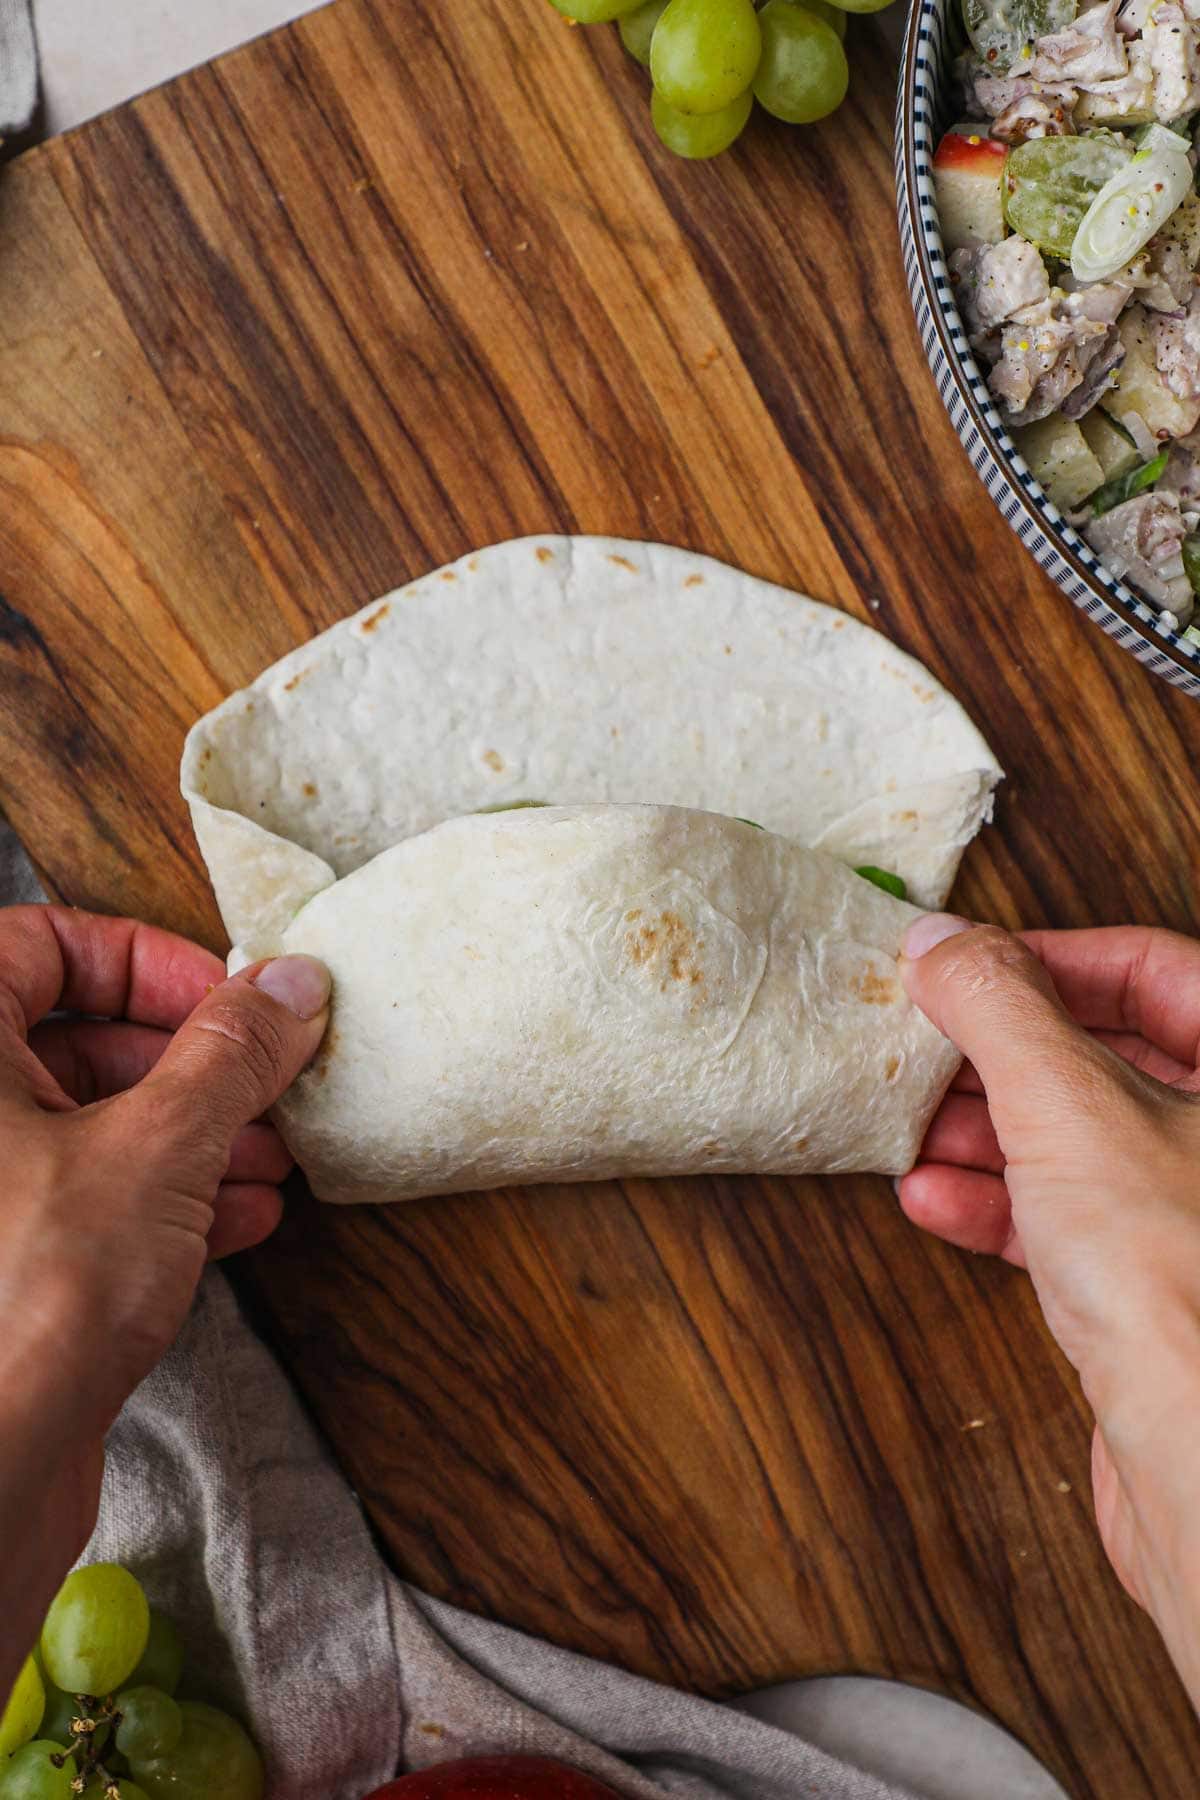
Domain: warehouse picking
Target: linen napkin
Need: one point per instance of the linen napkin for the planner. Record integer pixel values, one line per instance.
(18, 67)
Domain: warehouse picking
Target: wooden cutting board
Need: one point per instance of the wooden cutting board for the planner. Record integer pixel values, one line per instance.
(393, 283)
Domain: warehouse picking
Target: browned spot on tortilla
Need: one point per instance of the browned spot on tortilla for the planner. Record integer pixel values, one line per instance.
(494, 760)
(544, 555)
(613, 731)
(801, 1144)
(838, 623)
(729, 649)
(449, 575)
(712, 1149)
(873, 989)
(623, 562)
(474, 954)
(310, 790)
(694, 581)
(635, 913)
(667, 947)
(376, 618)
(429, 1729)
(906, 817)
(295, 681)
(891, 1068)
(473, 564)
(206, 755)
(249, 706)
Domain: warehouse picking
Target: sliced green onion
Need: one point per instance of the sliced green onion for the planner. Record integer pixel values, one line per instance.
(883, 878)
(1115, 493)
(1131, 206)
(510, 806)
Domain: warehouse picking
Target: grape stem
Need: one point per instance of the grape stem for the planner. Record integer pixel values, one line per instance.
(89, 1759)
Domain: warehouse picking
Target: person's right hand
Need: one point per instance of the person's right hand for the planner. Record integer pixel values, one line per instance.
(1070, 1145)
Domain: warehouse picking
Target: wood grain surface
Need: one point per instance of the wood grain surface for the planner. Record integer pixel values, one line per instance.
(387, 285)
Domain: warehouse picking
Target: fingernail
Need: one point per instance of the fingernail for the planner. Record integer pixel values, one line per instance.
(300, 983)
(927, 933)
(896, 1180)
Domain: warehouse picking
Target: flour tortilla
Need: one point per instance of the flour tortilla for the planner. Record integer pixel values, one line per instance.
(580, 670)
(583, 992)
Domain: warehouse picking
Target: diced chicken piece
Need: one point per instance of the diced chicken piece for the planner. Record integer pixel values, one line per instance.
(1141, 399)
(1161, 276)
(1181, 476)
(1177, 350)
(1128, 100)
(1132, 17)
(1089, 50)
(1102, 300)
(1099, 363)
(1043, 359)
(996, 281)
(1020, 107)
(1141, 541)
(966, 178)
(1174, 59)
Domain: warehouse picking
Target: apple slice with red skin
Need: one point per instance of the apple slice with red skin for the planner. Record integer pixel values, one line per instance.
(497, 1778)
(967, 172)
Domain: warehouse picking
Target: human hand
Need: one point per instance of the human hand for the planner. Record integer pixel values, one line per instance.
(131, 1152)
(1070, 1145)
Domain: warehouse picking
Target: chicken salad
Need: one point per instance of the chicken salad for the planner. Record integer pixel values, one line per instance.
(1068, 204)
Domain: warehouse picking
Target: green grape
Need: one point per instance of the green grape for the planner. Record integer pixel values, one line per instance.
(151, 1723)
(704, 53)
(803, 74)
(30, 1775)
(834, 15)
(593, 12)
(213, 1760)
(96, 1630)
(162, 1659)
(116, 1764)
(637, 29)
(23, 1713)
(697, 135)
(1000, 30)
(1049, 183)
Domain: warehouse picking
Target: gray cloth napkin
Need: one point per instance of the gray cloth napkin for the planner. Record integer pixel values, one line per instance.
(18, 67)
(222, 1498)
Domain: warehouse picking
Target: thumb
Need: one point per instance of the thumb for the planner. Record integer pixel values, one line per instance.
(232, 1059)
(987, 992)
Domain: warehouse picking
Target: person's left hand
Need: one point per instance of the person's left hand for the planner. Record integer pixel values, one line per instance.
(130, 1151)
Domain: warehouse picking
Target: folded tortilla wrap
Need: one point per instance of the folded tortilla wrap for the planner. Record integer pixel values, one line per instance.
(583, 992)
(576, 670)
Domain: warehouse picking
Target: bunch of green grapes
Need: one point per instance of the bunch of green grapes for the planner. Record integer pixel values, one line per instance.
(93, 1715)
(710, 60)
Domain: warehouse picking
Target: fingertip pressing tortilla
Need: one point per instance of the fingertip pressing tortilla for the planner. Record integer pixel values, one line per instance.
(596, 674)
